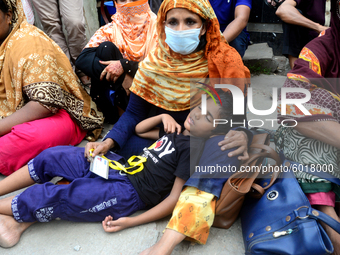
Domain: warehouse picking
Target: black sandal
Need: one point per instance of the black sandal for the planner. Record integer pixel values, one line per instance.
(278, 3)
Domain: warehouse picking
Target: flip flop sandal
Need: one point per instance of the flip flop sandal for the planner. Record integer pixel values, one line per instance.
(271, 6)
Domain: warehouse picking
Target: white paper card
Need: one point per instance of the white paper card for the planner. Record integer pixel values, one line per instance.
(100, 166)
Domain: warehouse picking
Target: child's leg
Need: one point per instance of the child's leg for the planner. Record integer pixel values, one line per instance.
(88, 199)
(64, 161)
(10, 230)
(167, 243)
(5, 206)
(192, 218)
(18, 180)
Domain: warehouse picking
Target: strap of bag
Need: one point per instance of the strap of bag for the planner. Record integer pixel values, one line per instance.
(102, 11)
(241, 183)
(315, 214)
(259, 150)
(267, 152)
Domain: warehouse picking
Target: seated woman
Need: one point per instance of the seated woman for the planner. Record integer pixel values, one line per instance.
(112, 55)
(190, 48)
(316, 138)
(41, 101)
(89, 197)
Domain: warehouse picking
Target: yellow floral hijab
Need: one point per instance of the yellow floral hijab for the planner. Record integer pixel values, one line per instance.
(34, 68)
(163, 77)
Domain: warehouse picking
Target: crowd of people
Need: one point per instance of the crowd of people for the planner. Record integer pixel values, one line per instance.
(148, 73)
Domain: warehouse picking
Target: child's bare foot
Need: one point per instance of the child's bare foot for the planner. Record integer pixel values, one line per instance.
(332, 234)
(10, 230)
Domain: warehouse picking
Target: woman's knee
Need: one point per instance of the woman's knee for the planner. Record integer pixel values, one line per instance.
(108, 51)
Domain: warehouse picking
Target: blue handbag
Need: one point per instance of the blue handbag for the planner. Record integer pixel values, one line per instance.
(282, 221)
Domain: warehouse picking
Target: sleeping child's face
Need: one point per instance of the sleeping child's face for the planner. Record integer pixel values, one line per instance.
(202, 125)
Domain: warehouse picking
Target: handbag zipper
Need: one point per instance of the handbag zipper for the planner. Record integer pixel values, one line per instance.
(268, 237)
(277, 234)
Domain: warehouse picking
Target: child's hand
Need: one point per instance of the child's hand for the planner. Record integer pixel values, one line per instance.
(110, 225)
(170, 125)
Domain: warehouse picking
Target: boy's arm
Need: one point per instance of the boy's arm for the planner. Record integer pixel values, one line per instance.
(147, 128)
(159, 211)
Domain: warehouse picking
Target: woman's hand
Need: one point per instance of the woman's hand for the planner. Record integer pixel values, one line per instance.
(100, 148)
(110, 225)
(113, 70)
(236, 139)
(170, 125)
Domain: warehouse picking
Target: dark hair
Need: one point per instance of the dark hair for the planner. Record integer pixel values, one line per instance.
(3, 7)
(226, 113)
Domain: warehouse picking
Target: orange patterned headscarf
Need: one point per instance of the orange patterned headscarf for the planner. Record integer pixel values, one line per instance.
(163, 78)
(132, 30)
(34, 68)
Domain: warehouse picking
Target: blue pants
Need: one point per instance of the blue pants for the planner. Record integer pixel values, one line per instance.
(240, 43)
(87, 198)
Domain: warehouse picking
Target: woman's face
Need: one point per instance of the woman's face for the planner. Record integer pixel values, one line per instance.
(182, 19)
(125, 1)
(5, 27)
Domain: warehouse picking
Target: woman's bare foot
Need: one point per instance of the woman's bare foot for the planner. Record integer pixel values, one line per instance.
(332, 234)
(11, 230)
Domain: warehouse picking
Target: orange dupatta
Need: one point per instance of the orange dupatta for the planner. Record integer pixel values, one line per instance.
(132, 30)
(34, 68)
(163, 77)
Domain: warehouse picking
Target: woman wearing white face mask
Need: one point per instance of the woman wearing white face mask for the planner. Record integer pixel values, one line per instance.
(183, 31)
(190, 45)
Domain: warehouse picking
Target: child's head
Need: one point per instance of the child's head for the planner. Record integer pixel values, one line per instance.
(203, 125)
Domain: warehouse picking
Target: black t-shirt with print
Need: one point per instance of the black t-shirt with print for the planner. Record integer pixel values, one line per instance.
(168, 159)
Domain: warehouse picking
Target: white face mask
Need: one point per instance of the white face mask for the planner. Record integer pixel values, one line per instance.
(184, 41)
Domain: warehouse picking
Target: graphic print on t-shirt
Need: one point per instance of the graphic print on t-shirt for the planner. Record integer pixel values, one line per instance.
(162, 146)
(167, 158)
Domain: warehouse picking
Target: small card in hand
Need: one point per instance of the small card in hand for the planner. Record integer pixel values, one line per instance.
(100, 166)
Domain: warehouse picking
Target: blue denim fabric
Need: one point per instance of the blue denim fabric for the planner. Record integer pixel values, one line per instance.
(240, 43)
(213, 156)
(88, 198)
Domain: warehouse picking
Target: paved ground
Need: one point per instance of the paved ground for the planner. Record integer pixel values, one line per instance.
(62, 237)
